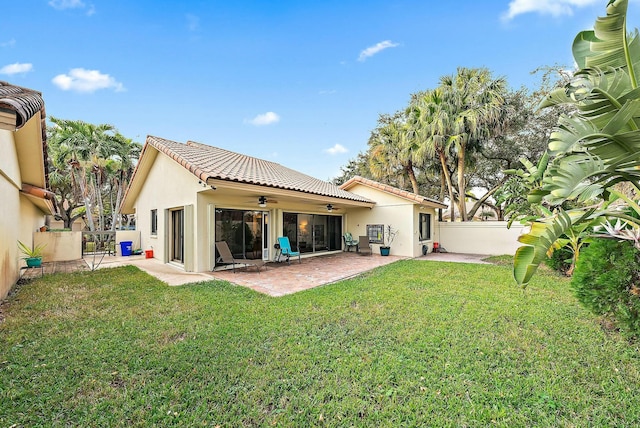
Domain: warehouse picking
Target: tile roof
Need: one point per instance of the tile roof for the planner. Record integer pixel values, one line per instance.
(208, 162)
(24, 102)
(413, 197)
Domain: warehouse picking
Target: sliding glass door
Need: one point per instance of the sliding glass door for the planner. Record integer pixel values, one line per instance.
(243, 232)
(312, 233)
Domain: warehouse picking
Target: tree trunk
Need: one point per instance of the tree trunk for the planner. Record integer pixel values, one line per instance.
(412, 178)
(98, 193)
(481, 201)
(462, 185)
(447, 176)
(86, 199)
(116, 209)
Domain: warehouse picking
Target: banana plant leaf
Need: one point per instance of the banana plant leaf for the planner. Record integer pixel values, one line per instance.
(596, 147)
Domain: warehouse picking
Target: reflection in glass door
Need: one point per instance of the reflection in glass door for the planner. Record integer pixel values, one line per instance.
(177, 236)
(313, 232)
(244, 232)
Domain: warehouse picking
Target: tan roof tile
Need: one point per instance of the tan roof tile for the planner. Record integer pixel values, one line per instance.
(392, 190)
(208, 162)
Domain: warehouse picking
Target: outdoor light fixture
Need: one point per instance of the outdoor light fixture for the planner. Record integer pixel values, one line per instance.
(262, 201)
(329, 207)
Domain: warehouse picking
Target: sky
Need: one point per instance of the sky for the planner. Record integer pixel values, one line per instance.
(297, 82)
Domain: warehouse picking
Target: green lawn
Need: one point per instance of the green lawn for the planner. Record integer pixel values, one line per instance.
(411, 344)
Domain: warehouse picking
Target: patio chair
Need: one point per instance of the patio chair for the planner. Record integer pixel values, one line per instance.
(365, 246)
(286, 251)
(227, 257)
(349, 242)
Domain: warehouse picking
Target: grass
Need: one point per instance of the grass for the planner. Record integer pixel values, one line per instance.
(410, 344)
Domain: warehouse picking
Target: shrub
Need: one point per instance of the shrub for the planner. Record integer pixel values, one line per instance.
(607, 282)
(560, 260)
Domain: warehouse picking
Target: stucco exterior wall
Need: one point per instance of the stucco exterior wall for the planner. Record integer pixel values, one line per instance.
(59, 246)
(418, 243)
(9, 235)
(166, 186)
(400, 213)
(19, 217)
(485, 237)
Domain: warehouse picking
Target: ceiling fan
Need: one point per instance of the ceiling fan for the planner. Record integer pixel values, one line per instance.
(262, 201)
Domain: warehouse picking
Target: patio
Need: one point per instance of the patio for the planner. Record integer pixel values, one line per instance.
(280, 279)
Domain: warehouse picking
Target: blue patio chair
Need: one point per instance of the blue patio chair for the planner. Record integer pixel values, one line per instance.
(286, 251)
(349, 242)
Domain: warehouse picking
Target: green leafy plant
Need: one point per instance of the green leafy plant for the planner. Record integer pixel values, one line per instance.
(31, 253)
(597, 147)
(607, 282)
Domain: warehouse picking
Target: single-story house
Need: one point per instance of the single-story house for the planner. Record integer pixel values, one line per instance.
(23, 176)
(188, 196)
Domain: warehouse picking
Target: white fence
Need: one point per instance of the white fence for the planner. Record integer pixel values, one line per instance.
(480, 237)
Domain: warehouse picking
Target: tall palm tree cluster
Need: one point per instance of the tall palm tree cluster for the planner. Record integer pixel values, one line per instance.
(89, 169)
(438, 131)
(461, 135)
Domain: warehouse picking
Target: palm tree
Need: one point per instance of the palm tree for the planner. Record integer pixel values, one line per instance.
(127, 152)
(474, 103)
(85, 148)
(392, 150)
(429, 123)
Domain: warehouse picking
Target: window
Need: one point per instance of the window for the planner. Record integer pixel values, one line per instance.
(154, 222)
(375, 232)
(425, 227)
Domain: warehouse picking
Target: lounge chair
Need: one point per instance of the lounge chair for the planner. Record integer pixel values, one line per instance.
(349, 242)
(286, 251)
(227, 257)
(365, 246)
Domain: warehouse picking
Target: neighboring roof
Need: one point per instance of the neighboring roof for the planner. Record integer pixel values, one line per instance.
(18, 106)
(25, 103)
(413, 197)
(213, 163)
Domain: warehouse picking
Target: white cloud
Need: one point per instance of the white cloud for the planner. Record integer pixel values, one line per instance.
(337, 149)
(8, 44)
(16, 68)
(264, 119)
(545, 7)
(66, 4)
(81, 80)
(72, 4)
(327, 92)
(378, 47)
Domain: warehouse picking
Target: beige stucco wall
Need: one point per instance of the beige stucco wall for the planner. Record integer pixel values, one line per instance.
(167, 185)
(484, 237)
(76, 226)
(19, 218)
(129, 235)
(59, 246)
(400, 213)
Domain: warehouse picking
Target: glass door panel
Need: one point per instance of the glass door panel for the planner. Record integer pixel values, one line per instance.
(305, 233)
(177, 236)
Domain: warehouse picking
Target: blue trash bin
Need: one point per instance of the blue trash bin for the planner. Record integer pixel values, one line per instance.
(126, 247)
